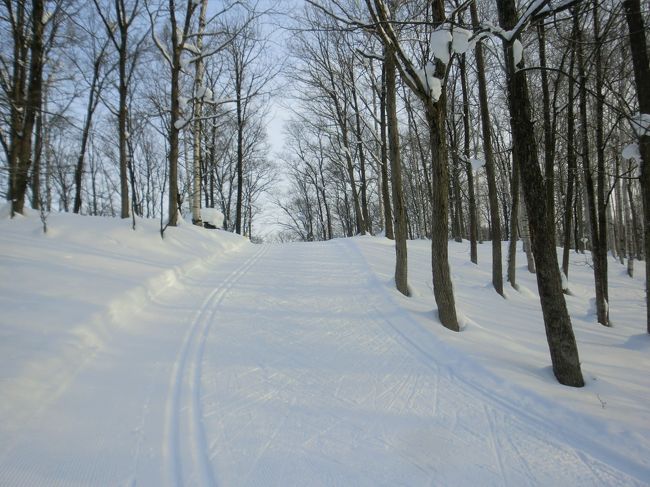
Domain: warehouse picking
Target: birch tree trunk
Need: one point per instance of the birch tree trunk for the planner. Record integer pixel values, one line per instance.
(199, 93)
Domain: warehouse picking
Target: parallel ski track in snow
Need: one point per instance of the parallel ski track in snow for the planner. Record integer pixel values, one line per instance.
(183, 407)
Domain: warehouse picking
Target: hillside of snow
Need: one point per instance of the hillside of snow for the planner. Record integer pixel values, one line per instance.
(201, 359)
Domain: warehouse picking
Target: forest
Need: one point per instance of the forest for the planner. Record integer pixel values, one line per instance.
(484, 121)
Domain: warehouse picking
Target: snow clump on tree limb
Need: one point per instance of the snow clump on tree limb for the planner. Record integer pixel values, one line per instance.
(428, 79)
(440, 41)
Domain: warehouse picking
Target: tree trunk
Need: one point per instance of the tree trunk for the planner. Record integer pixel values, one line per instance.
(173, 122)
(240, 154)
(122, 115)
(549, 135)
(198, 112)
(385, 191)
(38, 155)
(90, 110)
(22, 138)
(619, 224)
(442, 286)
(571, 155)
(497, 269)
(401, 261)
(473, 224)
(367, 227)
(639, 50)
(524, 231)
(514, 233)
(559, 332)
(592, 205)
(629, 239)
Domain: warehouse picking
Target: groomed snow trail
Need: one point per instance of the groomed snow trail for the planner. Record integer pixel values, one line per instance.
(286, 365)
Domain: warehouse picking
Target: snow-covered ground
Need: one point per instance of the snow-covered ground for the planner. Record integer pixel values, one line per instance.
(202, 359)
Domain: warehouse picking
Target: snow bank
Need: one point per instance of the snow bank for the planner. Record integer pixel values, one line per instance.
(62, 293)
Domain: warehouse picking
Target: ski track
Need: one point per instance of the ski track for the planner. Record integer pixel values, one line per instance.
(185, 392)
(304, 372)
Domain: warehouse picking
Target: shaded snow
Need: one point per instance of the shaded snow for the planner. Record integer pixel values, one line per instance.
(631, 151)
(517, 52)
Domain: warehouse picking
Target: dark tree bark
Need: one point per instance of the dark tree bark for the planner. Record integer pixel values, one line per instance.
(638, 47)
(571, 156)
(559, 332)
(240, 151)
(514, 226)
(598, 247)
(23, 123)
(473, 224)
(385, 190)
(488, 153)
(549, 134)
(401, 260)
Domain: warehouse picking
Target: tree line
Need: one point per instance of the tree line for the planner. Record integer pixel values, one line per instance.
(136, 107)
(446, 119)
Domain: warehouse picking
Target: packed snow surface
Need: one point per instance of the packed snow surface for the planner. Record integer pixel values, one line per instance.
(202, 359)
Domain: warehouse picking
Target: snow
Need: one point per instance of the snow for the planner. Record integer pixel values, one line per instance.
(202, 359)
(534, 7)
(182, 103)
(461, 40)
(440, 41)
(428, 79)
(212, 216)
(205, 93)
(631, 151)
(517, 52)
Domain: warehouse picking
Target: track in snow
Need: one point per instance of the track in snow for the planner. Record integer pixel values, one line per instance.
(184, 432)
(288, 365)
